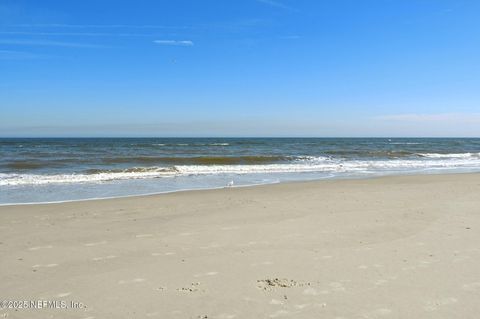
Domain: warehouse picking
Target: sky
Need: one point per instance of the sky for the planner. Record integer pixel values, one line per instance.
(323, 68)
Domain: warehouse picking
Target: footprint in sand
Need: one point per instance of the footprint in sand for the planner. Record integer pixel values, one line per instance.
(45, 266)
(163, 254)
(302, 306)
(211, 273)
(435, 304)
(104, 258)
(40, 247)
(96, 243)
(143, 235)
(194, 287)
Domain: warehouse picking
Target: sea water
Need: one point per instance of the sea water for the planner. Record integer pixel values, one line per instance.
(60, 169)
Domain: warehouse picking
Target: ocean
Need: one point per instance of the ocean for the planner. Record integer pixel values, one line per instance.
(61, 169)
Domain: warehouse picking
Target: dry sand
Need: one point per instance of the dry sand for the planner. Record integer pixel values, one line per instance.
(393, 247)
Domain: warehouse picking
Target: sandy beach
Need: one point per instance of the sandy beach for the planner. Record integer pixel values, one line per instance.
(391, 247)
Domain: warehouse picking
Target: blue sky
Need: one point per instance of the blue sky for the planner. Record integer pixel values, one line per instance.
(240, 68)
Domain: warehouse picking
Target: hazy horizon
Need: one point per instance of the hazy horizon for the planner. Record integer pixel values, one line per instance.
(237, 137)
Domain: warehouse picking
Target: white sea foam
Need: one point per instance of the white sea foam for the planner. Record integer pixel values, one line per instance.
(405, 143)
(302, 165)
(450, 155)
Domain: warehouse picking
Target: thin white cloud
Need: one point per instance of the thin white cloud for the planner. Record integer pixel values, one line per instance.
(276, 4)
(97, 26)
(81, 34)
(185, 43)
(91, 30)
(432, 118)
(50, 43)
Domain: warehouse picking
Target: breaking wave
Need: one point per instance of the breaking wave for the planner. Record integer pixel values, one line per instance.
(450, 155)
(252, 165)
(199, 160)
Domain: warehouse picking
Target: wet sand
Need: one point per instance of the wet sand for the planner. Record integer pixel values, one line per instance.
(391, 247)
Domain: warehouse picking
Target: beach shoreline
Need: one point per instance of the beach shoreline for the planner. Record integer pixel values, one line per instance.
(294, 181)
(390, 246)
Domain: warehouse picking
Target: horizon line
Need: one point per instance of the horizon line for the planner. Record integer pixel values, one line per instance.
(232, 137)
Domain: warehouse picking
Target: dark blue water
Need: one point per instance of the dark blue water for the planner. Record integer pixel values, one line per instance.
(39, 170)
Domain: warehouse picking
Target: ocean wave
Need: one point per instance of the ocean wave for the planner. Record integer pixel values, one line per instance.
(405, 143)
(319, 165)
(88, 177)
(449, 155)
(44, 162)
(314, 159)
(362, 153)
(132, 170)
(198, 160)
(23, 165)
(333, 166)
(34, 164)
